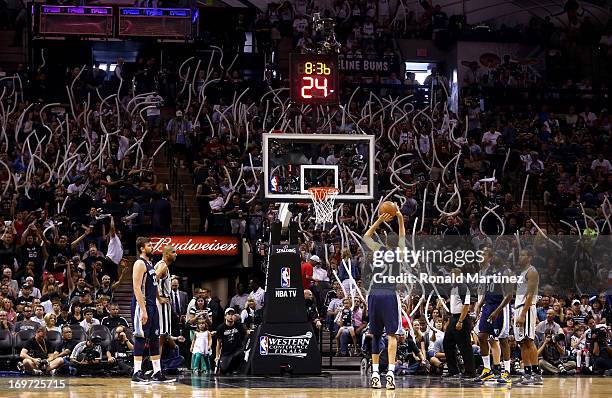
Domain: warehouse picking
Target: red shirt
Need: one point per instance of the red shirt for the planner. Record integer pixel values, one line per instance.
(306, 272)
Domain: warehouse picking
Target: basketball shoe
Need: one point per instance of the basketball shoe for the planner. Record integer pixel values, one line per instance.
(375, 380)
(504, 378)
(487, 374)
(390, 381)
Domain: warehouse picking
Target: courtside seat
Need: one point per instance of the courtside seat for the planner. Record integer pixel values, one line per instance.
(6, 345)
(103, 332)
(21, 339)
(78, 333)
(55, 339)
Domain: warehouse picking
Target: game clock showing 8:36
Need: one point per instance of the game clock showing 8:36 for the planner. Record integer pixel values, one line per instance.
(314, 79)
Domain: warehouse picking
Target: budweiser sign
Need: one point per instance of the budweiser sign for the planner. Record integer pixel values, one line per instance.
(198, 245)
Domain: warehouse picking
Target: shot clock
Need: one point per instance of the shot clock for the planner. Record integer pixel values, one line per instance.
(314, 79)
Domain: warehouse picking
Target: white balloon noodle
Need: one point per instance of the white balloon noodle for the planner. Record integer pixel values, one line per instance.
(20, 122)
(492, 211)
(605, 213)
(457, 193)
(544, 235)
(578, 228)
(524, 190)
(429, 323)
(457, 157)
(589, 218)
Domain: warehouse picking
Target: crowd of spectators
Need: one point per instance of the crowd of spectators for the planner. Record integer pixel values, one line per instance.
(74, 197)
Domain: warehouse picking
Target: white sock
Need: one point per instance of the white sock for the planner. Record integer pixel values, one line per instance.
(578, 359)
(391, 368)
(486, 360)
(507, 366)
(156, 366)
(587, 360)
(374, 368)
(137, 365)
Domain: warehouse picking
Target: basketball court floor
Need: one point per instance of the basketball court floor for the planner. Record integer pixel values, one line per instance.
(335, 385)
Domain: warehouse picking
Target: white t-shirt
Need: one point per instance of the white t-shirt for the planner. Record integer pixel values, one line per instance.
(589, 118)
(300, 25)
(201, 343)
(86, 325)
(489, 140)
(73, 188)
(154, 111)
(124, 145)
(258, 296)
(424, 144)
(331, 159)
(603, 163)
(319, 274)
(115, 249)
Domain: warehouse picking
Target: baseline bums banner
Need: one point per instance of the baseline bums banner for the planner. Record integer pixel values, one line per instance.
(198, 245)
(383, 66)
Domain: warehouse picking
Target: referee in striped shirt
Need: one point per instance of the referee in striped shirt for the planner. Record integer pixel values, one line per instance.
(458, 331)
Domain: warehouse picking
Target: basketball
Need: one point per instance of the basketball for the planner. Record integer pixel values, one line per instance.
(388, 207)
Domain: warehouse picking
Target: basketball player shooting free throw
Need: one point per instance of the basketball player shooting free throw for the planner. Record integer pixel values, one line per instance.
(383, 300)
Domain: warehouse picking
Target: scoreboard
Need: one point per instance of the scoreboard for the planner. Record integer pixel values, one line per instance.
(107, 22)
(314, 79)
(155, 22)
(68, 20)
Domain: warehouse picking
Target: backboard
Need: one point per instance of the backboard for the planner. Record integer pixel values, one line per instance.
(293, 163)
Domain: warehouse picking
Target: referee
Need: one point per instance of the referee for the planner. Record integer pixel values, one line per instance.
(458, 331)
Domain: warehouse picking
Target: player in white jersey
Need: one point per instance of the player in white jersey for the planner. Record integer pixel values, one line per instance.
(163, 294)
(525, 318)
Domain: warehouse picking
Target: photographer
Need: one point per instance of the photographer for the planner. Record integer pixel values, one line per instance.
(87, 355)
(122, 352)
(551, 351)
(36, 355)
(601, 350)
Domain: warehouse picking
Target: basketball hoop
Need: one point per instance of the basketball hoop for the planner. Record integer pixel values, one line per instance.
(323, 199)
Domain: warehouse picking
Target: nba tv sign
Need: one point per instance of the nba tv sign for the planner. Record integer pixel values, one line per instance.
(285, 290)
(288, 346)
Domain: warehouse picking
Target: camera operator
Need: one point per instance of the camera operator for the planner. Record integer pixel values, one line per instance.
(122, 352)
(37, 357)
(601, 350)
(87, 355)
(551, 352)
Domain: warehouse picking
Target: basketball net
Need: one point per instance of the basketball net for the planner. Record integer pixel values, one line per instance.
(323, 200)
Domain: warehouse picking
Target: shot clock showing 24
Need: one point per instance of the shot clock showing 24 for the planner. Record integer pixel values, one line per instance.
(314, 79)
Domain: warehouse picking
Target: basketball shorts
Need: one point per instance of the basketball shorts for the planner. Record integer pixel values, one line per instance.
(500, 327)
(165, 321)
(149, 329)
(527, 331)
(384, 312)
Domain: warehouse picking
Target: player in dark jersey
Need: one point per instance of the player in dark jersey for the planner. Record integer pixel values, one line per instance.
(494, 323)
(384, 308)
(144, 314)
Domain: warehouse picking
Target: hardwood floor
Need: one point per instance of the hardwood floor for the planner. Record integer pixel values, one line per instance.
(328, 386)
